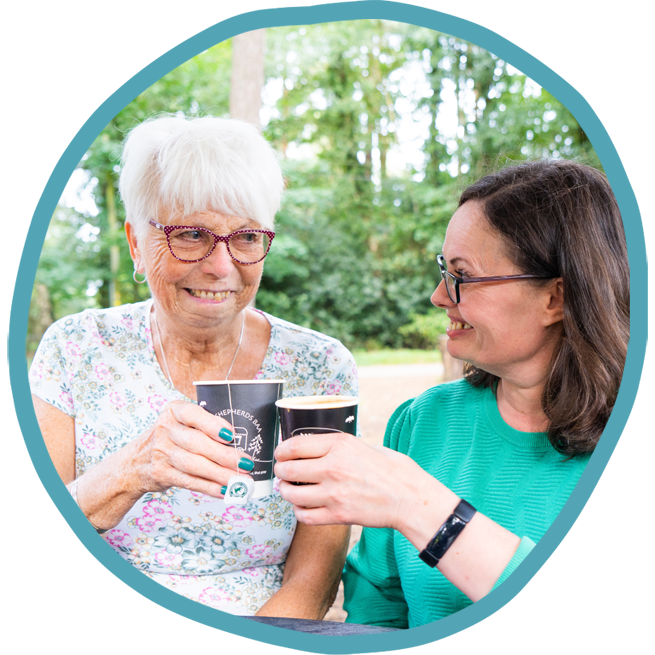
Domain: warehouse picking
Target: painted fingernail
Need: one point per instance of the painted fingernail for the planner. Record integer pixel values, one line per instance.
(225, 434)
(223, 490)
(246, 464)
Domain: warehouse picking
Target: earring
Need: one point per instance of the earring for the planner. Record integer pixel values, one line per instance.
(134, 276)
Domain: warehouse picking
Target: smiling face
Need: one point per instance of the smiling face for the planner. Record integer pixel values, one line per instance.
(508, 328)
(200, 293)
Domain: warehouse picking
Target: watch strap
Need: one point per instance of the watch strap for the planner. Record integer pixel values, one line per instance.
(447, 533)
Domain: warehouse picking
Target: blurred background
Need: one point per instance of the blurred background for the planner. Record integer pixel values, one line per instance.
(378, 125)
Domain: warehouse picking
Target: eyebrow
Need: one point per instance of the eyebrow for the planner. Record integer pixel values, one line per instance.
(243, 226)
(457, 259)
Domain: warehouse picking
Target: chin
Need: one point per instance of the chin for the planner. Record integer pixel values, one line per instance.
(456, 351)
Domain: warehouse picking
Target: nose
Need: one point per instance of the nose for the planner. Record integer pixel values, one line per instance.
(219, 263)
(440, 297)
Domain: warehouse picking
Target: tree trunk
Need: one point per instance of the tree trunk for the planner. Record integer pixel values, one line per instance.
(247, 76)
(40, 316)
(453, 369)
(247, 79)
(114, 249)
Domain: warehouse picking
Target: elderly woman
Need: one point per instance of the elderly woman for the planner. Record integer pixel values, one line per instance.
(535, 281)
(113, 388)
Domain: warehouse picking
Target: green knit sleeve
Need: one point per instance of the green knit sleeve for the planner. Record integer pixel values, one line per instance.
(372, 590)
(524, 548)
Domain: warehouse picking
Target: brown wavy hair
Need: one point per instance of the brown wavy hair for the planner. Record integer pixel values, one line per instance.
(560, 219)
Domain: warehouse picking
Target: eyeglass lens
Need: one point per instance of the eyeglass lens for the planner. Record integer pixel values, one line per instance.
(450, 287)
(190, 245)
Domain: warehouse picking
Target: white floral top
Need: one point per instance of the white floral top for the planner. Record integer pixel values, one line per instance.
(100, 368)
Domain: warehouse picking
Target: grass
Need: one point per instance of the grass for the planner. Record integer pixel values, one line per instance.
(400, 356)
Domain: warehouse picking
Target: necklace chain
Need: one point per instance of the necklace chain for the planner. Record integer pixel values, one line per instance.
(229, 391)
(163, 354)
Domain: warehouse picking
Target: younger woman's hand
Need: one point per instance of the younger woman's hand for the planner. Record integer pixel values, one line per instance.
(351, 482)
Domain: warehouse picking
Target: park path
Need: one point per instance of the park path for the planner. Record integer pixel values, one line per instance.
(381, 390)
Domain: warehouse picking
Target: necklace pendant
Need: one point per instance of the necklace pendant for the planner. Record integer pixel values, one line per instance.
(239, 490)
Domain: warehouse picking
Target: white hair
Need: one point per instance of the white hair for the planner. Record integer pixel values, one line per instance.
(188, 165)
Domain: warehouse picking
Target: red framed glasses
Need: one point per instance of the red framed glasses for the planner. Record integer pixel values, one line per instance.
(453, 282)
(190, 244)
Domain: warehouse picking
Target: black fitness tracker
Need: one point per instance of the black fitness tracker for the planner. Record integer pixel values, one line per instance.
(447, 533)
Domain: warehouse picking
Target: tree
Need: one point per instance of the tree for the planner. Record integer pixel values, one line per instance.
(247, 78)
(358, 232)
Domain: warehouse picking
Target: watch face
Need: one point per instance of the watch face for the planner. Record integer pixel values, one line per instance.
(445, 536)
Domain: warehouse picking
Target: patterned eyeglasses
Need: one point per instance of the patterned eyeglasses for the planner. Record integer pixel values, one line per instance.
(453, 282)
(193, 244)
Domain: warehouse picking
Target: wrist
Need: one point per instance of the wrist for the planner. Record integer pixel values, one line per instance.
(108, 490)
(448, 533)
(132, 473)
(72, 488)
(426, 504)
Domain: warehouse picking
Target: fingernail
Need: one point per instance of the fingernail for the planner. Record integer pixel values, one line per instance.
(225, 434)
(246, 464)
(223, 490)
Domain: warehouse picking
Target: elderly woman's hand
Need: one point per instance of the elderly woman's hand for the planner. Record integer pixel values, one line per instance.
(353, 483)
(186, 447)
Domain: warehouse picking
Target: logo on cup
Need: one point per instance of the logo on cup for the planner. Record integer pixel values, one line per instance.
(303, 431)
(239, 434)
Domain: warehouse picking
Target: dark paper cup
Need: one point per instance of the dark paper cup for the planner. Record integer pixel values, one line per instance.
(317, 415)
(255, 419)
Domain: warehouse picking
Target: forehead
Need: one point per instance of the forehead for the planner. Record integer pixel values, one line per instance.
(470, 237)
(210, 220)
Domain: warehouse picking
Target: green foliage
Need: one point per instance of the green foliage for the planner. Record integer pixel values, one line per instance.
(424, 329)
(359, 228)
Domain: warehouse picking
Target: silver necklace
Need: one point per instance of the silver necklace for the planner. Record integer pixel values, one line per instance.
(163, 354)
(237, 479)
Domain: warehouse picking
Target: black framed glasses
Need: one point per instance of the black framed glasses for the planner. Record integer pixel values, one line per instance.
(453, 282)
(190, 244)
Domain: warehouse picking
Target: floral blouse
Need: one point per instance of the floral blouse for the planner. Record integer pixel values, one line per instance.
(99, 367)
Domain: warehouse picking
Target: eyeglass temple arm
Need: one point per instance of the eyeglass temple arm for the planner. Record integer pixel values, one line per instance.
(498, 278)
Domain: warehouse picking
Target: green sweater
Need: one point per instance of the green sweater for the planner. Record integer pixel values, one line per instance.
(456, 433)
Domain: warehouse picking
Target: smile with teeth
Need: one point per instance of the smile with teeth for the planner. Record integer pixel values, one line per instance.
(209, 295)
(456, 325)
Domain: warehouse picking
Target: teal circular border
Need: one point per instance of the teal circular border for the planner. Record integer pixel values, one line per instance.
(68, 592)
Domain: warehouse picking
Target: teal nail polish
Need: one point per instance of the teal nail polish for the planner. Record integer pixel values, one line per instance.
(223, 490)
(225, 434)
(246, 464)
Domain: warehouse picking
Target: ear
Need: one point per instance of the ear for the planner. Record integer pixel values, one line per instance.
(554, 302)
(134, 246)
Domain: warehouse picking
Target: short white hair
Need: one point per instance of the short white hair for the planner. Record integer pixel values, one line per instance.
(188, 165)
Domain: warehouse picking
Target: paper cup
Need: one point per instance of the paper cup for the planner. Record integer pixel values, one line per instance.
(317, 415)
(255, 419)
